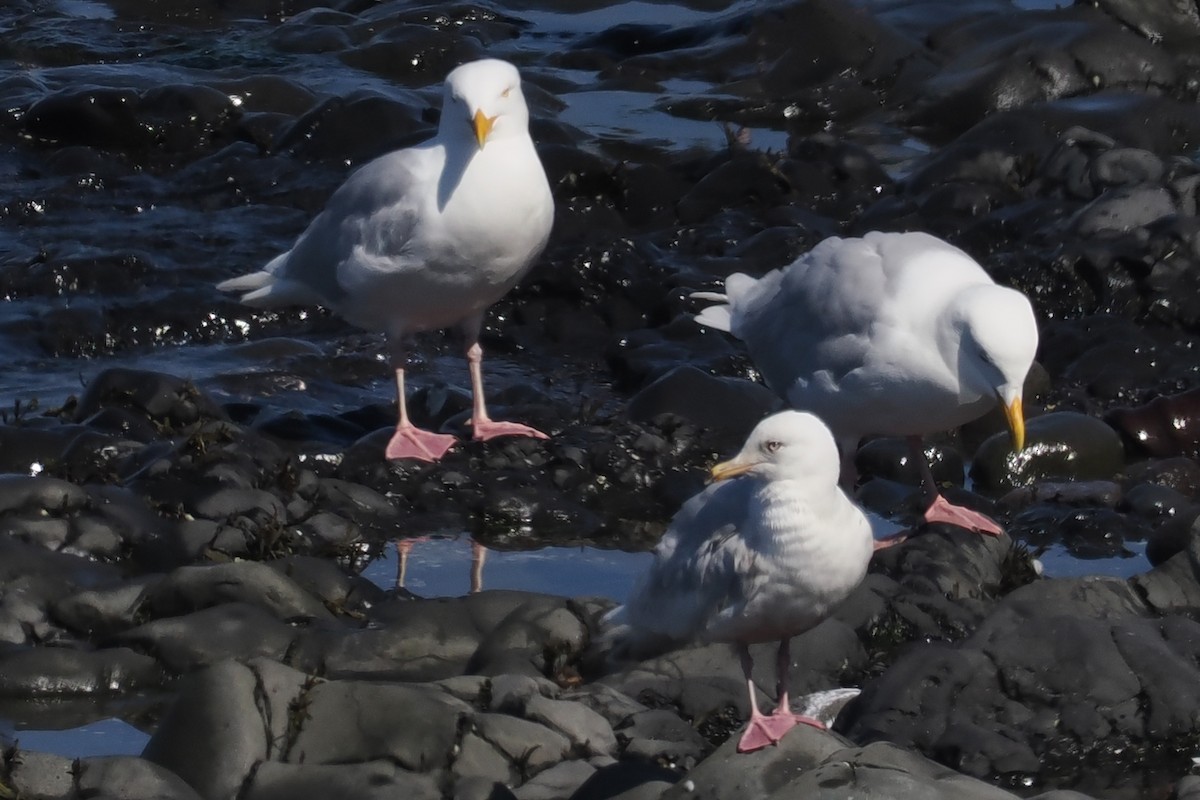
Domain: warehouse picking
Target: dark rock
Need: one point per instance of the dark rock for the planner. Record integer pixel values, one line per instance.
(213, 735)
(627, 780)
(57, 671)
(727, 406)
(889, 458)
(1166, 426)
(203, 638)
(161, 398)
(190, 589)
(1063, 444)
(1084, 532)
(1027, 682)
(42, 775)
(356, 721)
(127, 776)
(370, 780)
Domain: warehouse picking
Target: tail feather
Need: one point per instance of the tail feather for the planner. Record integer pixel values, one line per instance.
(716, 317)
(266, 289)
(622, 642)
(247, 283)
(721, 316)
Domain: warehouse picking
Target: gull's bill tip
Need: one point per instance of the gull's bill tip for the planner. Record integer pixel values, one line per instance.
(1015, 414)
(730, 469)
(483, 126)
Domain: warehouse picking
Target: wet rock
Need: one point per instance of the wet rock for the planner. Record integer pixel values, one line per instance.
(584, 728)
(127, 776)
(161, 398)
(212, 736)
(39, 495)
(485, 633)
(1059, 445)
(536, 747)
(373, 780)
(356, 721)
(1002, 63)
(1008, 697)
(760, 774)
(190, 589)
(660, 736)
(1122, 210)
(889, 458)
(229, 630)
(728, 406)
(56, 671)
(627, 780)
(103, 611)
(43, 775)
(1176, 25)
(1173, 537)
(706, 681)
(561, 780)
(1165, 426)
(1085, 532)
(355, 128)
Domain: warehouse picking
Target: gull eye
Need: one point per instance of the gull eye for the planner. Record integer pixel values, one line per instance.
(986, 357)
(772, 446)
(506, 92)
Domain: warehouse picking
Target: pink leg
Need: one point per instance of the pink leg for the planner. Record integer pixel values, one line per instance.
(485, 427)
(409, 441)
(403, 548)
(478, 556)
(942, 510)
(762, 730)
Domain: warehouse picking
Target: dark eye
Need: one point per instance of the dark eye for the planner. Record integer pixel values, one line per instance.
(773, 446)
(986, 357)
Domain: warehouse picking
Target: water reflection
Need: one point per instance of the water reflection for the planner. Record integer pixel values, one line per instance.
(453, 565)
(404, 548)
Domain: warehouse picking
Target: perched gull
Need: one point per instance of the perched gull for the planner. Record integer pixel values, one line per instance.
(898, 334)
(428, 237)
(764, 553)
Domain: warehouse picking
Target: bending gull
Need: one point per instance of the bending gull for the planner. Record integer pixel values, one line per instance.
(428, 237)
(899, 334)
(764, 553)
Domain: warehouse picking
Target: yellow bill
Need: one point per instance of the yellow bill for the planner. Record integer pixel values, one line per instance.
(730, 469)
(483, 126)
(1015, 414)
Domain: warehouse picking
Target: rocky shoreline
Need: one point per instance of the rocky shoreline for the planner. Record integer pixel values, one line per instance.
(198, 531)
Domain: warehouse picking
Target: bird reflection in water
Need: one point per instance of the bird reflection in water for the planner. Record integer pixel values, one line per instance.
(405, 546)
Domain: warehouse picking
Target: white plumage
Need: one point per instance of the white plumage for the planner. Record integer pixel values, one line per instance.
(897, 334)
(427, 237)
(765, 553)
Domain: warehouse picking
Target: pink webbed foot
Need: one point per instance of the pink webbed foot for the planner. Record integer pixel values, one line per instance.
(888, 541)
(941, 510)
(490, 429)
(762, 731)
(412, 442)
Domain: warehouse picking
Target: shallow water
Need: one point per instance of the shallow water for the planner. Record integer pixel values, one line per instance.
(440, 566)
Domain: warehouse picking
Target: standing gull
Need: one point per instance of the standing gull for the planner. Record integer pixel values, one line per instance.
(763, 554)
(428, 237)
(898, 334)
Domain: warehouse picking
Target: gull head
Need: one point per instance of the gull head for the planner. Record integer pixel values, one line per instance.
(999, 342)
(483, 100)
(790, 444)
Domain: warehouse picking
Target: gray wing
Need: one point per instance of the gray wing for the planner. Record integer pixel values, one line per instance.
(699, 568)
(817, 315)
(367, 225)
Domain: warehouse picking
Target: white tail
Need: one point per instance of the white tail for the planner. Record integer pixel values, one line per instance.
(720, 317)
(267, 289)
